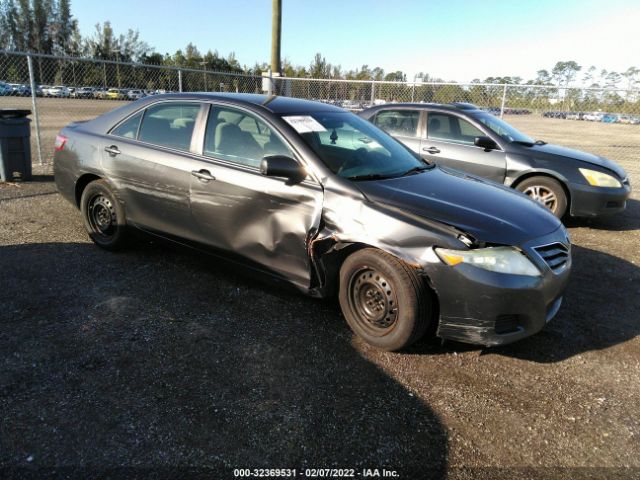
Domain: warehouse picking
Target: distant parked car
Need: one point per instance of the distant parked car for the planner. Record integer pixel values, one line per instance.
(83, 92)
(100, 93)
(20, 90)
(575, 116)
(593, 116)
(464, 137)
(5, 89)
(610, 118)
(115, 94)
(629, 120)
(135, 94)
(59, 91)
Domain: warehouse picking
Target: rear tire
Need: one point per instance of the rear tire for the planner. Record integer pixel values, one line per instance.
(384, 300)
(103, 216)
(546, 191)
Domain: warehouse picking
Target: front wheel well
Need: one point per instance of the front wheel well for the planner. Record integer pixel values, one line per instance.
(562, 183)
(82, 183)
(332, 262)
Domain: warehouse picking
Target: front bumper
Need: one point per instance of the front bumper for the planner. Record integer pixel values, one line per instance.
(489, 308)
(588, 201)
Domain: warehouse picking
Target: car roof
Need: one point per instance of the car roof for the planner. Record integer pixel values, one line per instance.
(274, 103)
(454, 106)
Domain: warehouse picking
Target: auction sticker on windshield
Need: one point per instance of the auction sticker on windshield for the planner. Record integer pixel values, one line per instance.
(304, 123)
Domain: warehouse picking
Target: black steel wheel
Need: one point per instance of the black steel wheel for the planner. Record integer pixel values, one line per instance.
(103, 216)
(384, 300)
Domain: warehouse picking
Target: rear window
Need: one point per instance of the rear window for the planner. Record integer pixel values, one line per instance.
(399, 122)
(128, 128)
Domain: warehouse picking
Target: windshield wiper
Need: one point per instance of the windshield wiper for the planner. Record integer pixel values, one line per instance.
(418, 169)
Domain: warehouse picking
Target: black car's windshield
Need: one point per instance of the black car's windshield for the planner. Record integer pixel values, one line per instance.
(353, 148)
(502, 128)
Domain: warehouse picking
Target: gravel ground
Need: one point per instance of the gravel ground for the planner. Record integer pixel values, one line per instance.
(158, 363)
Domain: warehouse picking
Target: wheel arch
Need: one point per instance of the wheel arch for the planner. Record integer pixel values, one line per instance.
(564, 183)
(82, 183)
(329, 254)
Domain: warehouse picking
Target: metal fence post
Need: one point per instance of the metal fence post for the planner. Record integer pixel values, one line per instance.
(180, 81)
(373, 93)
(504, 99)
(36, 118)
(270, 92)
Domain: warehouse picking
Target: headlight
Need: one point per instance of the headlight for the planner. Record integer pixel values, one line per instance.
(599, 179)
(496, 259)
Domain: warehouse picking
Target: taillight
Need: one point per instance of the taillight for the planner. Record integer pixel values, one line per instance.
(61, 140)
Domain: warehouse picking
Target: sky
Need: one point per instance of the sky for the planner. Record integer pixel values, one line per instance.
(456, 40)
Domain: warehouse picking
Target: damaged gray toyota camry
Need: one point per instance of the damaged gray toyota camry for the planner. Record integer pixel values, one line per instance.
(310, 194)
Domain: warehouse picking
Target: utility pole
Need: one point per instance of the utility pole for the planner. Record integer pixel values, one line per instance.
(276, 27)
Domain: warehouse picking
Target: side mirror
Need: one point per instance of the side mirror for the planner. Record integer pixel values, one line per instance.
(282, 166)
(486, 143)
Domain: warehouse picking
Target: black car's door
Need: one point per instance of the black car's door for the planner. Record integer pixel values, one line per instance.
(236, 208)
(450, 141)
(147, 157)
(404, 124)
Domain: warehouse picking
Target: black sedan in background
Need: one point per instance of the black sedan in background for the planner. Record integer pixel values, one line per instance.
(462, 136)
(316, 196)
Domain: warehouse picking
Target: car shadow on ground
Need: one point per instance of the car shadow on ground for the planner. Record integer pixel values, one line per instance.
(629, 219)
(599, 310)
(156, 358)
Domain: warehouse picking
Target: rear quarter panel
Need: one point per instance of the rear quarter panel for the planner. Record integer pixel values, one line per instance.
(81, 154)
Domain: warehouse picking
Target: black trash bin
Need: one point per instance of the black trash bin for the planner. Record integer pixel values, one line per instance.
(15, 144)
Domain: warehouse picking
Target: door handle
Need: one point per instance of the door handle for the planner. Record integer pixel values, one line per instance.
(431, 150)
(112, 150)
(203, 175)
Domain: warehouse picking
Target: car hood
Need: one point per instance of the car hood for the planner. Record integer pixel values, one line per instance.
(487, 211)
(557, 150)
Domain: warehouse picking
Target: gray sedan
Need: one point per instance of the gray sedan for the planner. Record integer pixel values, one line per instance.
(313, 195)
(462, 136)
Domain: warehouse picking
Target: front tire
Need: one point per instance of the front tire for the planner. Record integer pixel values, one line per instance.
(384, 300)
(546, 191)
(103, 216)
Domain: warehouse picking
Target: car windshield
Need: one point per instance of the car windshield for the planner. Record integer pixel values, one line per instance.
(353, 148)
(502, 128)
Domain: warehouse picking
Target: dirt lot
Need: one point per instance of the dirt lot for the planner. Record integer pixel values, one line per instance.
(159, 362)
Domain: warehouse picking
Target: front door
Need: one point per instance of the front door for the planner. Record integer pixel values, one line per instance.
(450, 142)
(239, 210)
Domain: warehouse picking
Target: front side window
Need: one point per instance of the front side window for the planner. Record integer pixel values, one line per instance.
(169, 125)
(241, 137)
(352, 147)
(398, 122)
(450, 128)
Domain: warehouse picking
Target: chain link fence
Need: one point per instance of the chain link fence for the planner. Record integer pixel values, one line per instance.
(60, 90)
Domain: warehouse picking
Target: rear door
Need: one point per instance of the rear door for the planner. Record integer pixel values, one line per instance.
(149, 158)
(264, 219)
(449, 141)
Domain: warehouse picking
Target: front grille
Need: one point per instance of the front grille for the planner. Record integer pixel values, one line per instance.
(556, 255)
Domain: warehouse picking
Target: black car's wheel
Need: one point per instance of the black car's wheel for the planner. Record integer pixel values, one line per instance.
(103, 216)
(547, 192)
(383, 299)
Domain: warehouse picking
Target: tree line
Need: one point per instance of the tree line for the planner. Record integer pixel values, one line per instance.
(48, 27)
